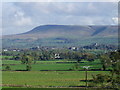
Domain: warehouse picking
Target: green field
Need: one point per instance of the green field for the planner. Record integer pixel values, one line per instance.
(37, 78)
(47, 78)
(10, 62)
(51, 65)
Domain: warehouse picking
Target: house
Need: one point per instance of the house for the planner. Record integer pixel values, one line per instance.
(73, 48)
(5, 50)
(57, 56)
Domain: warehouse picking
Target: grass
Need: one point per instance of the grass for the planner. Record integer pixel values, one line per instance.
(38, 67)
(47, 78)
(75, 41)
(38, 62)
(51, 65)
(11, 62)
(37, 78)
(4, 57)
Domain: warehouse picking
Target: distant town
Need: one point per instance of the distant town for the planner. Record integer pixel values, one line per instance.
(74, 48)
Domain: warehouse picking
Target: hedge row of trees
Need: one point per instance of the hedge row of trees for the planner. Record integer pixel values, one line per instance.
(107, 59)
(50, 55)
(112, 80)
(110, 59)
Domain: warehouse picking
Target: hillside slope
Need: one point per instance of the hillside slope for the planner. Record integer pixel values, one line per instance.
(61, 35)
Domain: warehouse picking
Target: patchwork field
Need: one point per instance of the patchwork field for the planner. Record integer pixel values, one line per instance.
(60, 73)
(47, 78)
(51, 65)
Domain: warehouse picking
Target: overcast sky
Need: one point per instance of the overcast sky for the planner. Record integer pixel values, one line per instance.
(18, 17)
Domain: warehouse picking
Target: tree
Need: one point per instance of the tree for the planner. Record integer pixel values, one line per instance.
(27, 59)
(90, 57)
(112, 80)
(76, 66)
(105, 61)
(115, 62)
(77, 56)
(7, 68)
(28, 67)
(102, 80)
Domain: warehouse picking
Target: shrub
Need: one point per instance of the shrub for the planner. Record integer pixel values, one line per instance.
(7, 68)
(28, 67)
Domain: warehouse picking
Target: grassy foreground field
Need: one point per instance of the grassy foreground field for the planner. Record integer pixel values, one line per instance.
(51, 65)
(47, 78)
(39, 76)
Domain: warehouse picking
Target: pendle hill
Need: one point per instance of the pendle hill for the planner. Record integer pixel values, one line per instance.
(63, 35)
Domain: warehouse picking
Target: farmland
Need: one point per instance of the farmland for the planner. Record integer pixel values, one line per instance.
(54, 73)
(47, 73)
(47, 78)
(50, 65)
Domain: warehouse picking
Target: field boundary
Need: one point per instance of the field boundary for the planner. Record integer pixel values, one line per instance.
(30, 86)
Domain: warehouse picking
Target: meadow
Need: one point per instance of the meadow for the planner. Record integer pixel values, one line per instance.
(51, 65)
(47, 78)
(60, 73)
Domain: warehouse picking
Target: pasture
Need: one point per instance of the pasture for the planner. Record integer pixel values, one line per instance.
(60, 73)
(47, 78)
(51, 65)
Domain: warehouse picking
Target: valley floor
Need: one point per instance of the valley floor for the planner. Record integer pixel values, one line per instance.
(38, 79)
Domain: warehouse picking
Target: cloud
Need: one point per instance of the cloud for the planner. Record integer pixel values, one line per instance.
(14, 19)
(15, 15)
(115, 20)
(61, 1)
(21, 20)
(74, 9)
(21, 16)
(0, 19)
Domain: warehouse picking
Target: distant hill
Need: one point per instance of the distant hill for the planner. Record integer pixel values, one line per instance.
(63, 35)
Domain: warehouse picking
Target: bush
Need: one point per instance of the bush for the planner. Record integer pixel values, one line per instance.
(28, 67)
(76, 66)
(7, 68)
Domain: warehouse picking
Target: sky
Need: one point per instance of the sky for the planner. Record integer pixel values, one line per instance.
(19, 17)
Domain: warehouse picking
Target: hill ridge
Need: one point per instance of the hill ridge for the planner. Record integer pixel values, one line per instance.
(65, 35)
